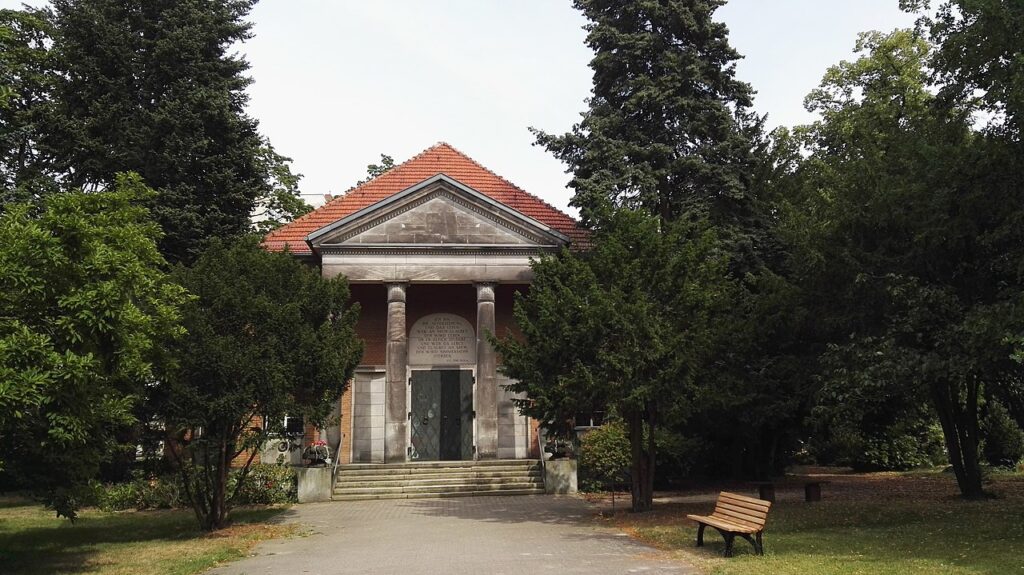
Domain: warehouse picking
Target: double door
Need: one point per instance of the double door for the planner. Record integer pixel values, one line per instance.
(442, 415)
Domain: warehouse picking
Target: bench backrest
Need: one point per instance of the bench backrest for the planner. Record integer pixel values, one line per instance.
(742, 509)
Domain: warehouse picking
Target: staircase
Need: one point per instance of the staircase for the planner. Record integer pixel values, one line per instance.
(437, 479)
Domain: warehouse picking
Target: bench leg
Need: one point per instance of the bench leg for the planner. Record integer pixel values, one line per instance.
(755, 543)
(759, 545)
(700, 534)
(728, 544)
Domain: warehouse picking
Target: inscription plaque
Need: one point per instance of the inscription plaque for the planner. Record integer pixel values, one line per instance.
(442, 339)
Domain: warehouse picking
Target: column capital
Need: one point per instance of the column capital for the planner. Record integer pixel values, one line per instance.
(396, 291)
(485, 291)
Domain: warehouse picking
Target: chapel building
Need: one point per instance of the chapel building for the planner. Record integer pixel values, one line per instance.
(434, 250)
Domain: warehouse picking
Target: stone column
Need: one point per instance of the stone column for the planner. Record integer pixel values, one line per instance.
(396, 413)
(486, 375)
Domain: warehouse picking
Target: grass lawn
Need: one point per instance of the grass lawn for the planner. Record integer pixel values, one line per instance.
(33, 541)
(875, 524)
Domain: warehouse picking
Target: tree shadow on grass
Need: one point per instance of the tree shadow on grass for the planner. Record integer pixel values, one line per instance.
(37, 544)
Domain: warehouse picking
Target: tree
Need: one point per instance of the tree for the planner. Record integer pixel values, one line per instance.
(268, 337)
(913, 219)
(668, 129)
(27, 82)
(85, 310)
(978, 54)
(625, 327)
(978, 59)
(374, 170)
(152, 86)
(283, 203)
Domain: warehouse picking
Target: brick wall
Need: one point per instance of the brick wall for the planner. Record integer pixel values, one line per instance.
(372, 325)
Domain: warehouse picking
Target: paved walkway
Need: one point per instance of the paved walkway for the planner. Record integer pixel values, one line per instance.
(473, 535)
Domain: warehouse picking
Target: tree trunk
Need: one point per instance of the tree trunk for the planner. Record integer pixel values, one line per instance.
(642, 484)
(959, 420)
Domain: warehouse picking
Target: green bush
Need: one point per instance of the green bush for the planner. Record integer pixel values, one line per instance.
(895, 448)
(1003, 439)
(604, 457)
(139, 493)
(267, 484)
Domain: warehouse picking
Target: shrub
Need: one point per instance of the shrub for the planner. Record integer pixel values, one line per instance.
(140, 493)
(267, 484)
(896, 448)
(604, 457)
(1003, 439)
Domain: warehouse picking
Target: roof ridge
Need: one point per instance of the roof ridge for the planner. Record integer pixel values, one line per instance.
(502, 178)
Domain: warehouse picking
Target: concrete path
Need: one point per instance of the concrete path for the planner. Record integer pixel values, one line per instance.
(473, 535)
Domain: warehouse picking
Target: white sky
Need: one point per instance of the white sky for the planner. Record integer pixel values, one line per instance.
(338, 82)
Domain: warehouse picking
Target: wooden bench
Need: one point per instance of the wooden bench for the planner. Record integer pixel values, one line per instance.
(735, 515)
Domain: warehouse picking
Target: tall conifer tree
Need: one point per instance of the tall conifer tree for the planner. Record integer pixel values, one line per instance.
(668, 129)
(153, 86)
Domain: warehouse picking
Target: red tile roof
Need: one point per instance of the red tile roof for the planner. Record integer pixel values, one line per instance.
(438, 159)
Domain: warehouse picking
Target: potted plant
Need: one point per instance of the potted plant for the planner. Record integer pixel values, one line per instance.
(317, 454)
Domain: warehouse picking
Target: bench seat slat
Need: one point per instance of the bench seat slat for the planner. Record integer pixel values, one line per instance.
(721, 524)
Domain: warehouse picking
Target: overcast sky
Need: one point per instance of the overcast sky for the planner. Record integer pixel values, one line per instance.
(338, 82)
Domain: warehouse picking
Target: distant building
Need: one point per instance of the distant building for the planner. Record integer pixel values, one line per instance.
(434, 250)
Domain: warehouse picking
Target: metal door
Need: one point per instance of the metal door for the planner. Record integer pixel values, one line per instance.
(442, 415)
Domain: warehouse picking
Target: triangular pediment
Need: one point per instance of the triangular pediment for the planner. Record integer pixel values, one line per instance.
(439, 220)
(438, 212)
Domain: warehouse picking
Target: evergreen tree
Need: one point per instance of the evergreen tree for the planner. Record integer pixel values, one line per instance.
(154, 87)
(267, 337)
(27, 82)
(628, 327)
(668, 129)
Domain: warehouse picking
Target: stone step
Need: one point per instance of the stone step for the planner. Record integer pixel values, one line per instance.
(489, 493)
(437, 488)
(369, 476)
(436, 464)
(439, 481)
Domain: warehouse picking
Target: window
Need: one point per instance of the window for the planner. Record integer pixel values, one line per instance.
(294, 425)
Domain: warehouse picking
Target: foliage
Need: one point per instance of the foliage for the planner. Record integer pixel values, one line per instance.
(625, 327)
(1003, 438)
(268, 484)
(264, 484)
(374, 170)
(978, 55)
(903, 213)
(604, 457)
(869, 418)
(85, 309)
(283, 203)
(156, 86)
(268, 337)
(26, 89)
(140, 493)
(668, 130)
